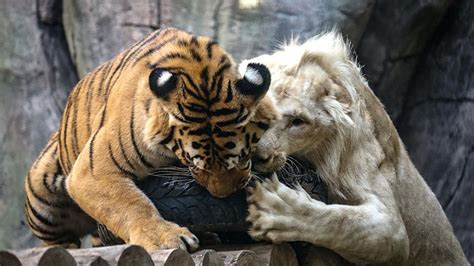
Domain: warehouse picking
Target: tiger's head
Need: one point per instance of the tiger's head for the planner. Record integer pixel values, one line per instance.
(209, 115)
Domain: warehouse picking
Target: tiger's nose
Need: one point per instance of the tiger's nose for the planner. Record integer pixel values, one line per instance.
(199, 163)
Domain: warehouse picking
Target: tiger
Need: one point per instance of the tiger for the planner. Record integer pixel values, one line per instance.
(172, 96)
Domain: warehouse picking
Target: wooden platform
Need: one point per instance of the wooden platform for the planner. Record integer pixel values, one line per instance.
(258, 254)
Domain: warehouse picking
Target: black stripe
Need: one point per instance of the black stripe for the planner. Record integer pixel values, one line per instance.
(144, 42)
(194, 41)
(205, 130)
(195, 108)
(65, 157)
(225, 134)
(195, 55)
(205, 82)
(223, 111)
(254, 138)
(60, 204)
(89, 98)
(242, 118)
(55, 179)
(171, 56)
(183, 43)
(123, 170)
(230, 95)
(108, 66)
(63, 184)
(46, 235)
(46, 185)
(34, 226)
(218, 89)
(235, 120)
(134, 142)
(122, 149)
(209, 48)
(91, 152)
(189, 118)
(153, 50)
(109, 80)
(77, 98)
(263, 126)
(222, 68)
(194, 95)
(169, 137)
(50, 236)
(119, 68)
(37, 215)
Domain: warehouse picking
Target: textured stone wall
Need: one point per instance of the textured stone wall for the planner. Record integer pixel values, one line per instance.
(437, 121)
(417, 55)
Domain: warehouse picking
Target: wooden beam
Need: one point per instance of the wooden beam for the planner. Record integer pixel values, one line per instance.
(239, 258)
(113, 255)
(52, 255)
(172, 257)
(279, 254)
(8, 258)
(207, 257)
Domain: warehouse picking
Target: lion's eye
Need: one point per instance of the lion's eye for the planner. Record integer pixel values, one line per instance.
(296, 122)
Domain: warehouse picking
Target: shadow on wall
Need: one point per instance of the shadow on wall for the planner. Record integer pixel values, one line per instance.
(56, 42)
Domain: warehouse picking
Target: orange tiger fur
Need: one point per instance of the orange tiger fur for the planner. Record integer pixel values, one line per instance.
(171, 95)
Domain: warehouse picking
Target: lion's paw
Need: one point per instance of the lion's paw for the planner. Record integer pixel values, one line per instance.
(277, 212)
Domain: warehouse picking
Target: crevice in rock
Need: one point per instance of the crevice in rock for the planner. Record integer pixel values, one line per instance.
(445, 100)
(403, 57)
(139, 25)
(158, 14)
(460, 180)
(216, 20)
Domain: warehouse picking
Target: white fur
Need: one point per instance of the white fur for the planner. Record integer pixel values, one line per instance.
(253, 76)
(383, 212)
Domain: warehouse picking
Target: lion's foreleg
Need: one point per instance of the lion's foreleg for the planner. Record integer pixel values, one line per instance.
(365, 233)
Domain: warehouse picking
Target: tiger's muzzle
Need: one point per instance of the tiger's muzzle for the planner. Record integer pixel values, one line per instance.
(221, 183)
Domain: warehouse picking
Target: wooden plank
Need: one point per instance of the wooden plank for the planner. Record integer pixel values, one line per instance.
(112, 255)
(266, 254)
(8, 258)
(239, 258)
(46, 256)
(207, 257)
(172, 257)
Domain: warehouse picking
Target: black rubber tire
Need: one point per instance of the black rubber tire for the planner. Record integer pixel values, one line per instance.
(180, 199)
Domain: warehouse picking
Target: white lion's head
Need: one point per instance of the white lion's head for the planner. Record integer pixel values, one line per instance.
(317, 88)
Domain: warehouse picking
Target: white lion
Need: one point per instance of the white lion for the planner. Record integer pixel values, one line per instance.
(383, 211)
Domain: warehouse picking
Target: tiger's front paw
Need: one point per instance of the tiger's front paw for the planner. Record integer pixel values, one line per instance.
(163, 235)
(279, 213)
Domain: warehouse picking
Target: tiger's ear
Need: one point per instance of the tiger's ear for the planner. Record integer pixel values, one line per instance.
(162, 82)
(255, 82)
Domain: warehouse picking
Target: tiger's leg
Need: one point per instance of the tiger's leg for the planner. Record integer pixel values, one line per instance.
(106, 192)
(50, 213)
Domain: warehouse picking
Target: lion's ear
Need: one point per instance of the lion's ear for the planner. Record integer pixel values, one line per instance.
(341, 94)
(339, 104)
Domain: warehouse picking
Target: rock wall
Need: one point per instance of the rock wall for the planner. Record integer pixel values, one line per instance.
(437, 121)
(36, 74)
(417, 56)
